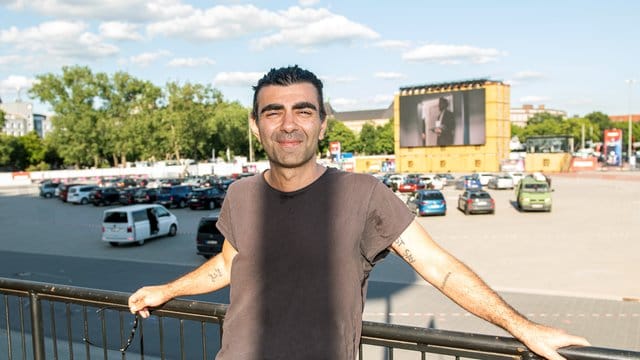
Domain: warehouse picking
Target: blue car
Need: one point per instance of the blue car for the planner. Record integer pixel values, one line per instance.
(468, 182)
(427, 202)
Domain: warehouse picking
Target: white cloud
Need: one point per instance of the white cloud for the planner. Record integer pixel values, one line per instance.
(389, 75)
(121, 10)
(532, 99)
(319, 28)
(147, 58)
(237, 78)
(120, 31)
(62, 39)
(10, 59)
(308, 2)
(341, 103)
(15, 82)
(393, 44)
(191, 62)
(452, 54)
(216, 23)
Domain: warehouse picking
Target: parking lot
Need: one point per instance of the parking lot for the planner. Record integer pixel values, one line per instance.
(573, 267)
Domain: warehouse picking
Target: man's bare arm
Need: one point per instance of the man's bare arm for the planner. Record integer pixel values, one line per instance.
(467, 289)
(210, 276)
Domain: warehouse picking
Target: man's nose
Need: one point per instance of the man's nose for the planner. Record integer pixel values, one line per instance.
(289, 122)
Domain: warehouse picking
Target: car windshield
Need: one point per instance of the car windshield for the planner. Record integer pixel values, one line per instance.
(482, 195)
(536, 187)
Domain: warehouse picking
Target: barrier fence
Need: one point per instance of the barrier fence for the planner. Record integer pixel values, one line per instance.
(48, 321)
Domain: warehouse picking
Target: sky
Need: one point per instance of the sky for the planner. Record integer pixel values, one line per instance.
(577, 56)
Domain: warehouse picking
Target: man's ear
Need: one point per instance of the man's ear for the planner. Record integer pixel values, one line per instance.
(323, 129)
(254, 128)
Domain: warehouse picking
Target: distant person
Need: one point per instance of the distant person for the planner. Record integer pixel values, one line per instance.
(445, 125)
(301, 240)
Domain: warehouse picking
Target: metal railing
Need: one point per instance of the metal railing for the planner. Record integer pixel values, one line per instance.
(47, 321)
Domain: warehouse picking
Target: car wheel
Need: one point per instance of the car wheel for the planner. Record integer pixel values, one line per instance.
(418, 212)
(467, 211)
(140, 242)
(212, 205)
(47, 195)
(84, 201)
(113, 243)
(182, 204)
(173, 230)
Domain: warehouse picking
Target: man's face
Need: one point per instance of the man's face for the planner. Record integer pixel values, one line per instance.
(288, 124)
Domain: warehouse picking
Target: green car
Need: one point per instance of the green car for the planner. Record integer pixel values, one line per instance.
(533, 194)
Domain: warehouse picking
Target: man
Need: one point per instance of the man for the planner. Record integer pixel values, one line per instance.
(445, 125)
(301, 240)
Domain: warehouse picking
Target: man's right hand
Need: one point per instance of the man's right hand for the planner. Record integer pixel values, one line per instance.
(148, 297)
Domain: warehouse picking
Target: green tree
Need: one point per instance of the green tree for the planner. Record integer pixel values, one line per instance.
(13, 155)
(385, 143)
(229, 129)
(74, 98)
(34, 148)
(368, 144)
(2, 119)
(337, 131)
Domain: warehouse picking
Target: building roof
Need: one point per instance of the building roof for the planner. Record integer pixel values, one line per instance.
(451, 85)
(359, 115)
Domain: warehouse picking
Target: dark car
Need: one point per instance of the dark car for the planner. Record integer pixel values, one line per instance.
(206, 198)
(173, 196)
(105, 196)
(48, 188)
(127, 196)
(145, 196)
(427, 202)
(476, 201)
(209, 240)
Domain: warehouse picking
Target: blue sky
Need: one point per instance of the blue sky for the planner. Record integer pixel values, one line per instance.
(568, 55)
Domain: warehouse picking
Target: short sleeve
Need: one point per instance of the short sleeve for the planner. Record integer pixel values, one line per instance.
(224, 218)
(387, 218)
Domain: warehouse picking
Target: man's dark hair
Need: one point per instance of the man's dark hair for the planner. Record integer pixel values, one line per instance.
(285, 76)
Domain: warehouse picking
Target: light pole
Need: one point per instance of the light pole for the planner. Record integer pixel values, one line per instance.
(632, 159)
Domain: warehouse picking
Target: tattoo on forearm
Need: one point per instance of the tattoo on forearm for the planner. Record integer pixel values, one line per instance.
(406, 254)
(444, 282)
(215, 275)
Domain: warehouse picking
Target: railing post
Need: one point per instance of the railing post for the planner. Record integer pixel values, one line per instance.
(37, 330)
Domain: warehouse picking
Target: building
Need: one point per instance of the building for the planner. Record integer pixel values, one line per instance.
(355, 120)
(520, 116)
(20, 119)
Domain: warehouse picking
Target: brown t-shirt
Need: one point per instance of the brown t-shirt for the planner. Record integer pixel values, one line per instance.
(298, 282)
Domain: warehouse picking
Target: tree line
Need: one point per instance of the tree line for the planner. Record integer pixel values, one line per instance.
(104, 120)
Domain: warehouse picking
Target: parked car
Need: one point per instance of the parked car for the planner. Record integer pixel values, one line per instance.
(127, 196)
(137, 223)
(483, 177)
(206, 198)
(209, 240)
(105, 196)
(502, 181)
(411, 185)
(145, 196)
(48, 188)
(467, 182)
(447, 179)
(516, 176)
(476, 201)
(79, 194)
(427, 202)
(431, 181)
(63, 190)
(173, 196)
(533, 194)
(393, 181)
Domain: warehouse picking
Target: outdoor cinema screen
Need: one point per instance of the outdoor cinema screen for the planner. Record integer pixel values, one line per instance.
(442, 119)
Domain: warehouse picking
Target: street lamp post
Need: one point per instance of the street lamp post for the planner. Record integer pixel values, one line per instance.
(632, 159)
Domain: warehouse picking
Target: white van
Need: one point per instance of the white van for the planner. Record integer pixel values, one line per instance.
(136, 223)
